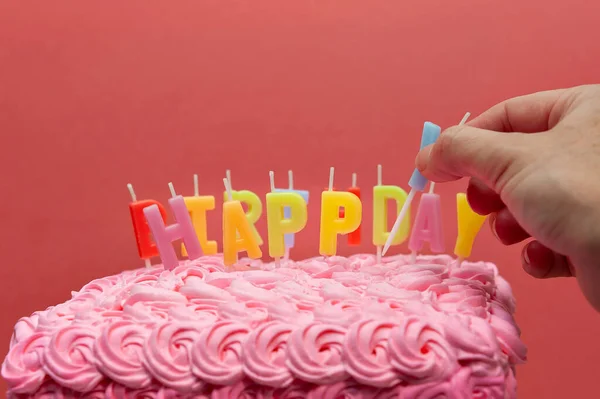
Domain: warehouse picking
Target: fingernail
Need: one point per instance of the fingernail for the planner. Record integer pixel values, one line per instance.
(526, 256)
(423, 159)
(493, 225)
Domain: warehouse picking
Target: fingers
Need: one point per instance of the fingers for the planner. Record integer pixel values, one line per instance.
(483, 199)
(532, 113)
(541, 262)
(506, 229)
(467, 151)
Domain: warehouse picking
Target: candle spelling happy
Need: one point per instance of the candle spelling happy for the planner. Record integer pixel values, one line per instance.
(197, 207)
(165, 235)
(287, 211)
(237, 231)
(146, 248)
(278, 223)
(252, 202)
(332, 224)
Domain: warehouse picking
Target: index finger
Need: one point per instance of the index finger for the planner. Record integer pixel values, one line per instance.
(531, 113)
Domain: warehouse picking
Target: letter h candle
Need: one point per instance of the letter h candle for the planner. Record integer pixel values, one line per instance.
(165, 235)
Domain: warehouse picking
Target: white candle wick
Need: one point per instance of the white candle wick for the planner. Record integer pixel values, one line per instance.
(354, 179)
(379, 175)
(228, 188)
(272, 180)
(331, 172)
(291, 179)
(228, 175)
(173, 193)
(131, 192)
(196, 190)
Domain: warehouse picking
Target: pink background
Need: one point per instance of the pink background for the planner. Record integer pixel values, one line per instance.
(95, 96)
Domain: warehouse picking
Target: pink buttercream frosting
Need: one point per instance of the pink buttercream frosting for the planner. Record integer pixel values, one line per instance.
(318, 328)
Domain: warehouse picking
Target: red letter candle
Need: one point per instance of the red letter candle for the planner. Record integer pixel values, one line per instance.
(146, 248)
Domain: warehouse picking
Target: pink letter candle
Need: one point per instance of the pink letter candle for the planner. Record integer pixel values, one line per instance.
(428, 225)
(165, 235)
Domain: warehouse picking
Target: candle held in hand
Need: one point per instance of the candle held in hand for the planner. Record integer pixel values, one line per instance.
(417, 181)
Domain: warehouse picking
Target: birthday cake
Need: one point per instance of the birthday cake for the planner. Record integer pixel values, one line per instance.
(326, 327)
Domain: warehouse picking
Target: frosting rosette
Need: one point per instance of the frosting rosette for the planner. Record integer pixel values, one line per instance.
(476, 344)
(22, 368)
(366, 353)
(168, 355)
(69, 358)
(217, 353)
(120, 352)
(265, 355)
(315, 353)
(419, 352)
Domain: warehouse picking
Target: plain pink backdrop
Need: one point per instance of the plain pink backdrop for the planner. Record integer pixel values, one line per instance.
(96, 95)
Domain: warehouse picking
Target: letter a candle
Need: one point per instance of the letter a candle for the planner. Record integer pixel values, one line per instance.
(417, 181)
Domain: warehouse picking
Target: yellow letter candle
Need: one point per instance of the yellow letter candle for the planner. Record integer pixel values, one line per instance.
(254, 205)
(469, 224)
(197, 207)
(331, 223)
(381, 197)
(278, 224)
(237, 232)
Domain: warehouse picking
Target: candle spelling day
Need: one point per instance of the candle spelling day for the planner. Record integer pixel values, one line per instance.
(286, 213)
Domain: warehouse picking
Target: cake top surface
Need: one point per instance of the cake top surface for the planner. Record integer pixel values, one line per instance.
(320, 321)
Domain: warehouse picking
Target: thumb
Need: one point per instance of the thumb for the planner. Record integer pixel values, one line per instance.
(461, 151)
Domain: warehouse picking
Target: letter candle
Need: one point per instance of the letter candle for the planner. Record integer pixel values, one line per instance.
(197, 207)
(469, 224)
(146, 248)
(289, 238)
(279, 224)
(354, 236)
(381, 195)
(165, 235)
(237, 230)
(253, 203)
(331, 222)
(417, 181)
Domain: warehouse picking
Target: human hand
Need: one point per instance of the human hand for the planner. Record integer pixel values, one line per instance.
(534, 164)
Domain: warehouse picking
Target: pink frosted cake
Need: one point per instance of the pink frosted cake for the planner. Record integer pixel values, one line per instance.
(320, 328)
